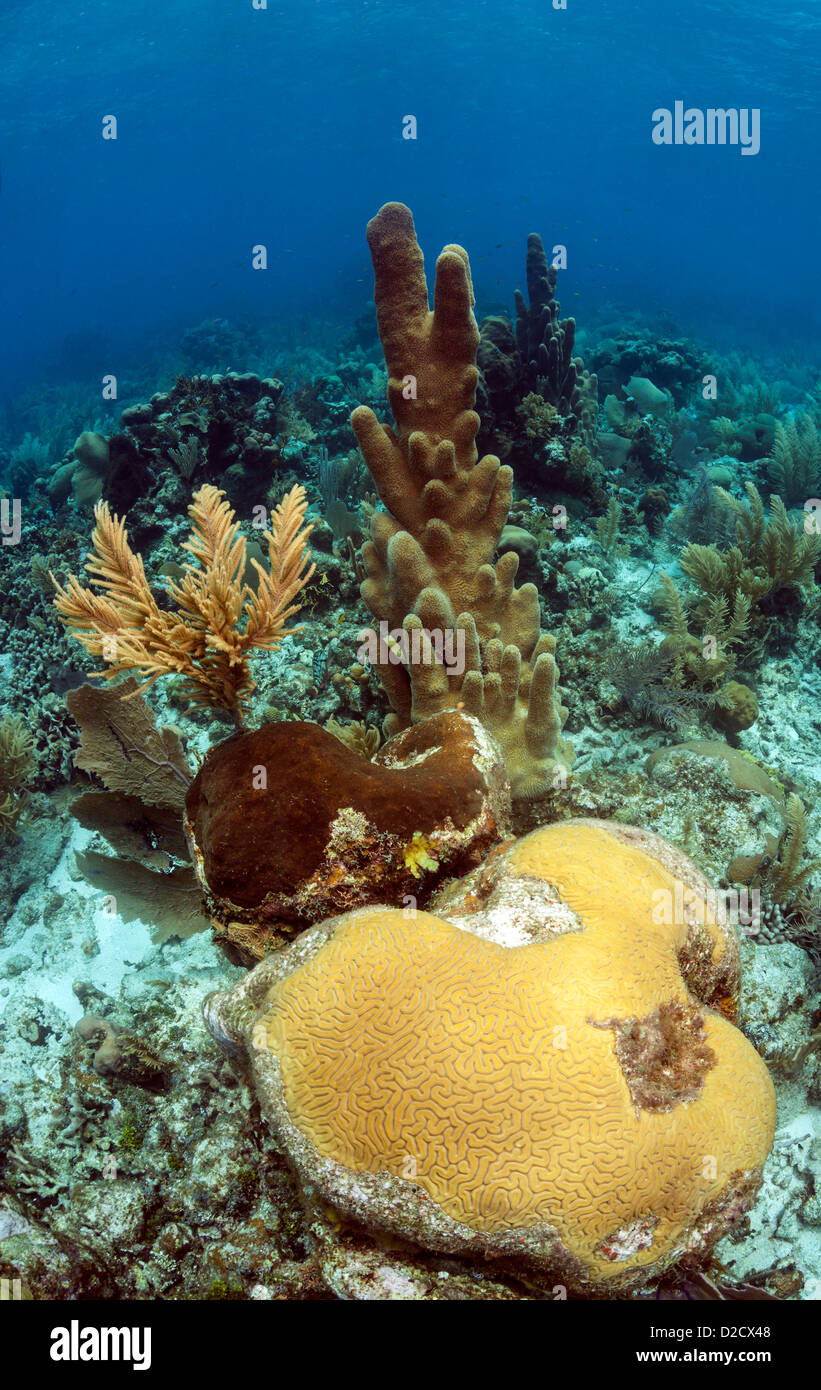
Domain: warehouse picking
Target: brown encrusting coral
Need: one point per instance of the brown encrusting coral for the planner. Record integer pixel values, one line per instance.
(287, 824)
(219, 619)
(430, 560)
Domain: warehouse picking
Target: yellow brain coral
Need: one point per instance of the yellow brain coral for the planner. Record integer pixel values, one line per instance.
(534, 1074)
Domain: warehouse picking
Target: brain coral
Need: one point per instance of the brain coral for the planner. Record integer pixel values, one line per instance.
(541, 1073)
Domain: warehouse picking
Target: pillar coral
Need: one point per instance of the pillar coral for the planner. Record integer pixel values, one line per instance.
(546, 343)
(430, 560)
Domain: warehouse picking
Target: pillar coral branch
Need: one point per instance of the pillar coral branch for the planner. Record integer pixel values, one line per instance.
(430, 559)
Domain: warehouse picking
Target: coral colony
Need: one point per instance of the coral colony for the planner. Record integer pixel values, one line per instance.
(443, 786)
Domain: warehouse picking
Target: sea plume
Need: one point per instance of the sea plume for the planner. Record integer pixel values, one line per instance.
(217, 620)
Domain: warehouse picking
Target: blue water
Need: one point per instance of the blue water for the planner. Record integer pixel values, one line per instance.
(284, 127)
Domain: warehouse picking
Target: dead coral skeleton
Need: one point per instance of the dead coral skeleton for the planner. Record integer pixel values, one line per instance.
(32, 1175)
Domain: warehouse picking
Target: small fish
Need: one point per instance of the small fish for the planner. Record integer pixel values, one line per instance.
(320, 668)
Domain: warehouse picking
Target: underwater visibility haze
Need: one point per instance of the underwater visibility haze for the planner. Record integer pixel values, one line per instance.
(410, 619)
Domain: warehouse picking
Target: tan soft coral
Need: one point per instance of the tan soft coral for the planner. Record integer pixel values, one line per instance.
(218, 620)
(17, 763)
(430, 560)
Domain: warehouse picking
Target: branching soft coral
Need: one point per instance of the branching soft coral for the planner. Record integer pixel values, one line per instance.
(795, 467)
(787, 870)
(219, 618)
(742, 589)
(17, 762)
(783, 554)
(652, 683)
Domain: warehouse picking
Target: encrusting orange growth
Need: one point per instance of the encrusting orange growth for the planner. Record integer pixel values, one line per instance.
(219, 617)
(539, 1080)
